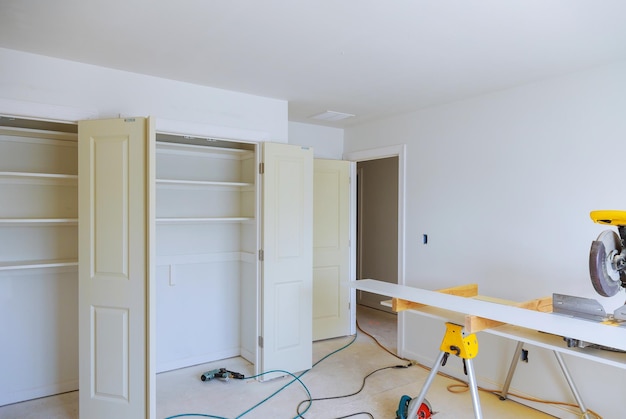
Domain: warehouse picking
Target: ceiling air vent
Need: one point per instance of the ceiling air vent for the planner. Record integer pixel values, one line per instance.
(332, 116)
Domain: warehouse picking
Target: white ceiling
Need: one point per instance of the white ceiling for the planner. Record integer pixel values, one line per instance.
(371, 58)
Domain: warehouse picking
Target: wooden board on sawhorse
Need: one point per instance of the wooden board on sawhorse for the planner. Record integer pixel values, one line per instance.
(475, 324)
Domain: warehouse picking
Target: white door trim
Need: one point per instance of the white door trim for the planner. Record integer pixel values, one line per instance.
(381, 153)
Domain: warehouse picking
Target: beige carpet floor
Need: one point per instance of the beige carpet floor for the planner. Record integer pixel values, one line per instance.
(181, 392)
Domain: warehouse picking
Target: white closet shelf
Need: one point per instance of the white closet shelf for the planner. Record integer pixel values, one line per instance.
(38, 175)
(33, 177)
(37, 264)
(175, 148)
(202, 183)
(38, 221)
(201, 220)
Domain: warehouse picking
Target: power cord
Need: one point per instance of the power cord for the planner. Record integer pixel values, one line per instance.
(295, 378)
(383, 346)
(462, 386)
(310, 400)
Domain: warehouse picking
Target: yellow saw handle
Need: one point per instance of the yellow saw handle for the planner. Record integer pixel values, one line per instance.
(610, 217)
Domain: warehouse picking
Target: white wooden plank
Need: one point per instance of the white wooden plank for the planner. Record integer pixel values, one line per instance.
(191, 149)
(204, 183)
(37, 264)
(532, 337)
(190, 220)
(585, 330)
(38, 221)
(53, 176)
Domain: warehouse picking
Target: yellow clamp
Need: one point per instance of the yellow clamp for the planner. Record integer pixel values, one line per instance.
(456, 343)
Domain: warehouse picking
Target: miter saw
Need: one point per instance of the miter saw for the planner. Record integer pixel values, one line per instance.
(607, 269)
(607, 258)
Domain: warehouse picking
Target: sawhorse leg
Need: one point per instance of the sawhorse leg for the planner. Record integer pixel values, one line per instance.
(572, 386)
(509, 375)
(568, 378)
(465, 348)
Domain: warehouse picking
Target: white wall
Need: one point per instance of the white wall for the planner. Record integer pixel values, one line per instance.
(105, 93)
(327, 142)
(503, 185)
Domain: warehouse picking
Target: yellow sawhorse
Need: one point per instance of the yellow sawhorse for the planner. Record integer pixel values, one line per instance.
(465, 347)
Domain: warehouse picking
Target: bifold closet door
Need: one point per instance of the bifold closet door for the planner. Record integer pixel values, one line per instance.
(331, 249)
(287, 224)
(114, 224)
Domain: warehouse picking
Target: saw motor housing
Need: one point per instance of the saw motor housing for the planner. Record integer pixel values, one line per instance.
(607, 257)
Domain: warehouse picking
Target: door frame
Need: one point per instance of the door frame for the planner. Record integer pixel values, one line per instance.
(398, 151)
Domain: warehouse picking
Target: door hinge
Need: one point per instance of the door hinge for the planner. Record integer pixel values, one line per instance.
(260, 341)
(261, 255)
(261, 168)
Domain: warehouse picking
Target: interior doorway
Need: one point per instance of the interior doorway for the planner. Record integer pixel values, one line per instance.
(377, 226)
(379, 204)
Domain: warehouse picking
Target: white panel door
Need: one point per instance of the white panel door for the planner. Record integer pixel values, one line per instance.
(287, 242)
(114, 352)
(331, 249)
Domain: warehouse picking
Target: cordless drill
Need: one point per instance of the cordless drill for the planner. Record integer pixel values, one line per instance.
(221, 373)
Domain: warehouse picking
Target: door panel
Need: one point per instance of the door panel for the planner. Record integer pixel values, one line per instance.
(331, 249)
(113, 266)
(286, 295)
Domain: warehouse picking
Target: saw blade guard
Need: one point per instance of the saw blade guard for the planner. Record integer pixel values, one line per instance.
(607, 264)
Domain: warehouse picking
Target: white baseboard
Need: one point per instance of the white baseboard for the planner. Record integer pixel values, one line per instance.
(38, 392)
(196, 360)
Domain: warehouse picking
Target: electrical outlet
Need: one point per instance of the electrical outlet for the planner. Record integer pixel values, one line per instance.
(524, 356)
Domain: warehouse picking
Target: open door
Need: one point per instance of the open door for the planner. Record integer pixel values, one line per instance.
(285, 340)
(115, 371)
(331, 249)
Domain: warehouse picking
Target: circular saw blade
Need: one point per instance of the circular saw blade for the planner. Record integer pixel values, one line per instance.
(604, 277)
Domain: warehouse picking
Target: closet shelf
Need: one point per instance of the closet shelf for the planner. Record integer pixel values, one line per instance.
(38, 177)
(175, 148)
(202, 183)
(38, 221)
(201, 220)
(37, 264)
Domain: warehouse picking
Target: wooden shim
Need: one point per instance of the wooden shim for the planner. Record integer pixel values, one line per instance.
(540, 304)
(398, 304)
(469, 290)
(475, 324)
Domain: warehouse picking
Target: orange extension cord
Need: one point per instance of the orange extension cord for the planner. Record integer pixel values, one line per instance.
(463, 387)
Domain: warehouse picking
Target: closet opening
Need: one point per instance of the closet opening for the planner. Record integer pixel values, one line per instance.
(38, 258)
(206, 257)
